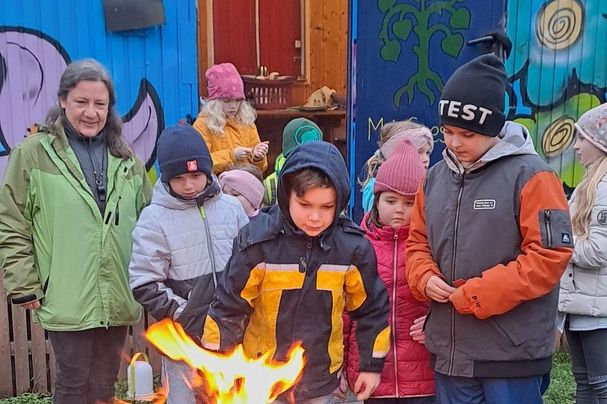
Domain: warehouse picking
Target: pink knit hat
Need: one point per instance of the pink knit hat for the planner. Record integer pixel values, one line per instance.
(418, 137)
(224, 82)
(401, 173)
(246, 184)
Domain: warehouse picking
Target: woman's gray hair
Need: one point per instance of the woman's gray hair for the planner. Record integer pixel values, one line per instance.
(92, 70)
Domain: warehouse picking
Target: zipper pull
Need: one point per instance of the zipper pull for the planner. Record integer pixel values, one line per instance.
(117, 216)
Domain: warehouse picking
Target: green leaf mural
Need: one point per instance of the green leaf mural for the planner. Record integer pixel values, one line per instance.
(401, 20)
(402, 29)
(385, 5)
(390, 51)
(460, 19)
(452, 44)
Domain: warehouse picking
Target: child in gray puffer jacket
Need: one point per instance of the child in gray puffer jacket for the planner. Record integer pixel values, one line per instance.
(183, 238)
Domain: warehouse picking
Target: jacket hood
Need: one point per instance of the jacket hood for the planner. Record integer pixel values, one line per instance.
(162, 196)
(322, 156)
(515, 139)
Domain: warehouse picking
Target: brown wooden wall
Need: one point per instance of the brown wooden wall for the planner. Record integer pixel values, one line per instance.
(326, 49)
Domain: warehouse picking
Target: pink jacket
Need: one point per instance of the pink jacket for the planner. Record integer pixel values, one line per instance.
(407, 371)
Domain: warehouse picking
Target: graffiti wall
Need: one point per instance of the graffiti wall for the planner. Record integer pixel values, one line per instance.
(154, 69)
(403, 51)
(558, 70)
(401, 54)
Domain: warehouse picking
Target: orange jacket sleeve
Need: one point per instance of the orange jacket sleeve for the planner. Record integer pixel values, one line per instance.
(420, 262)
(537, 269)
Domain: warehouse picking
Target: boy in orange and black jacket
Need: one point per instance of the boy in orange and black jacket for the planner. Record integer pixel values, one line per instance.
(294, 269)
(489, 239)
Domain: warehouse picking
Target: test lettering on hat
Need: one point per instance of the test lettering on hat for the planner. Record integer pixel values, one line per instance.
(467, 112)
(192, 165)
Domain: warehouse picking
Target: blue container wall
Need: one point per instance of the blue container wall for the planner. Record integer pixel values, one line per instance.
(402, 53)
(154, 69)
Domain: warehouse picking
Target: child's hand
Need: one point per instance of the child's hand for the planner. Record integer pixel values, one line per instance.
(242, 153)
(31, 305)
(260, 150)
(438, 290)
(340, 391)
(366, 384)
(416, 331)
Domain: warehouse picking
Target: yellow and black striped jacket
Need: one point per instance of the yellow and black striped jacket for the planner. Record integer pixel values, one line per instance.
(281, 286)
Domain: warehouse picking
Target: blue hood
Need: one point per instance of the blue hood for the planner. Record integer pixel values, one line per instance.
(320, 155)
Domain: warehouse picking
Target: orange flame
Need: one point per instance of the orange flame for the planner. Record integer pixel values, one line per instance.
(230, 378)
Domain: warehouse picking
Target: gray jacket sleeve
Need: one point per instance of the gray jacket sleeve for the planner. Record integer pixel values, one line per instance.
(592, 252)
(149, 269)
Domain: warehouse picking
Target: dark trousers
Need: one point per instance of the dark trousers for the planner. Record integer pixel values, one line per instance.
(409, 400)
(589, 365)
(87, 364)
(488, 390)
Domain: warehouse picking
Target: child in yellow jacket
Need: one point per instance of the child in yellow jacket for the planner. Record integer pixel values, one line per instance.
(226, 122)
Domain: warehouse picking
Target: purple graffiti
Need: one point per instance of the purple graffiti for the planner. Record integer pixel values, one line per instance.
(31, 64)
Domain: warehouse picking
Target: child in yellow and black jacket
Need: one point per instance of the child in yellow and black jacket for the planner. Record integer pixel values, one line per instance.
(294, 269)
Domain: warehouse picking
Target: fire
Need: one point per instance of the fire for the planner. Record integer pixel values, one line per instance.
(230, 378)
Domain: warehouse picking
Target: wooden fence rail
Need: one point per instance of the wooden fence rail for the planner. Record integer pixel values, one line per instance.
(27, 363)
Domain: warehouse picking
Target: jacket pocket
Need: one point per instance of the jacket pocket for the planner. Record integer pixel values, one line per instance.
(555, 228)
(514, 337)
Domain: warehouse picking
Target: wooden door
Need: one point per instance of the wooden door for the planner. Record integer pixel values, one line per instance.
(234, 34)
(235, 31)
(280, 36)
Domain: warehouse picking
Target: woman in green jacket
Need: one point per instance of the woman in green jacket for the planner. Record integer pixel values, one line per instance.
(70, 198)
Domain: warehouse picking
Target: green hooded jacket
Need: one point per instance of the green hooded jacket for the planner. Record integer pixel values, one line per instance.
(54, 243)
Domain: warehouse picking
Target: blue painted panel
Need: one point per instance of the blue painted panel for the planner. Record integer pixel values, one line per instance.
(401, 54)
(154, 69)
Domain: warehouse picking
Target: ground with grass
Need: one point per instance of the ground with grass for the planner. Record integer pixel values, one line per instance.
(561, 391)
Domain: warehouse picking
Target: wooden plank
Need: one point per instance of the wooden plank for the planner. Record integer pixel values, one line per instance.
(316, 27)
(126, 354)
(20, 350)
(203, 43)
(139, 342)
(6, 371)
(39, 361)
(331, 45)
(51, 365)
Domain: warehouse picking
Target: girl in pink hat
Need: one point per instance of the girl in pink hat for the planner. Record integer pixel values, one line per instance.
(407, 376)
(226, 122)
(391, 135)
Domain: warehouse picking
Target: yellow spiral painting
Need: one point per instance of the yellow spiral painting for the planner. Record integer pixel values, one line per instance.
(559, 23)
(558, 136)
